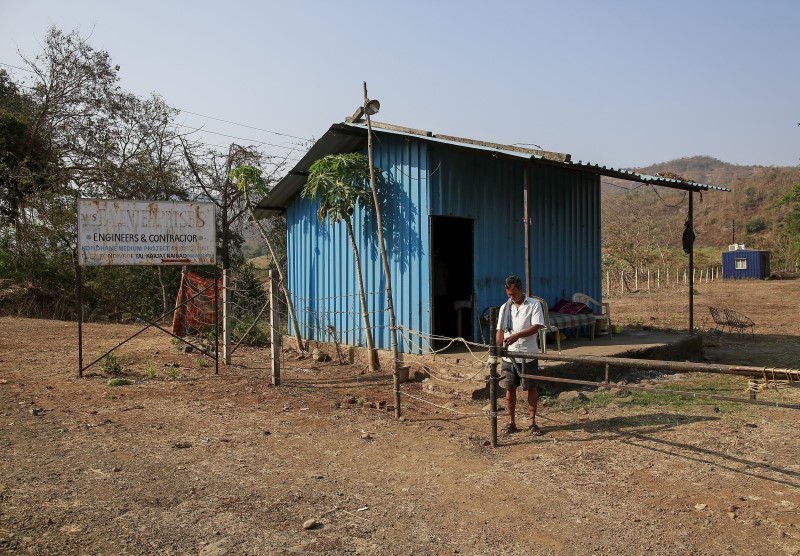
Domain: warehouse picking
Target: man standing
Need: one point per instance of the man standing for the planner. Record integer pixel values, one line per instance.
(518, 324)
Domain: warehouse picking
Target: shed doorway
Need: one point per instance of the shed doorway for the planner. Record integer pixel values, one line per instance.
(452, 276)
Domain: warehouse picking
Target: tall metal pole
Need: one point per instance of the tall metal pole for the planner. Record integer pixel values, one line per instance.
(493, 354)
(527, 226)
(691, 263)
(385, 260)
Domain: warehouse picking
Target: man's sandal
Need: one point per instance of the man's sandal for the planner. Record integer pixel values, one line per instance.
(510, 428)
(534, 430)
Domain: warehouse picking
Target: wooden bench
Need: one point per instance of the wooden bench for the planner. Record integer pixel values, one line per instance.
(730, 319)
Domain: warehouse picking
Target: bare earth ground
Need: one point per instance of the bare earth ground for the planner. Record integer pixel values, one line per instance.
(190, 462)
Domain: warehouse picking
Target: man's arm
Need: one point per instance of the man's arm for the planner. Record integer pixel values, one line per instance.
(530, 331)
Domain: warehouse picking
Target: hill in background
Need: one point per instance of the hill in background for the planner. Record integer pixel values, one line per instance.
(748, 214)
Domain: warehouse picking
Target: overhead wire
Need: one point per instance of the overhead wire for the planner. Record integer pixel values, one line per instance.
(292, 146)
(243, 125)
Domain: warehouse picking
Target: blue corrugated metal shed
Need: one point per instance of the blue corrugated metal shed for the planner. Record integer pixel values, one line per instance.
(745, 264)
(453, 215)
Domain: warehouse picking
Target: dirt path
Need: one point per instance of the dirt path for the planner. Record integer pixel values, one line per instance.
(192, 463)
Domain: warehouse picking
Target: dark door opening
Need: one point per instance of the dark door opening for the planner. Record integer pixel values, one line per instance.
(452, 276)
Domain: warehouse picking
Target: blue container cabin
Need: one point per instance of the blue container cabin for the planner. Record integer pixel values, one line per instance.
(453, 212)
(745, 264)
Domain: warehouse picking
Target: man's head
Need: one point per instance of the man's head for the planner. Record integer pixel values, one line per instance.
(514, 288)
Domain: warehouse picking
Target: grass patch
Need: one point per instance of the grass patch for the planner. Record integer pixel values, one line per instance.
(719, 385)
(112, 365)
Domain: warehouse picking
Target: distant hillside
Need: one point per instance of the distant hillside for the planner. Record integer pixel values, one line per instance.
(703, 169)
(748, 214)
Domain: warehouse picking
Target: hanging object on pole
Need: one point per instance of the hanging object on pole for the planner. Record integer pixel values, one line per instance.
(688, 237)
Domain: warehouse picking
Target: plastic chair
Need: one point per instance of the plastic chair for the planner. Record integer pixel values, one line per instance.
(594, 305)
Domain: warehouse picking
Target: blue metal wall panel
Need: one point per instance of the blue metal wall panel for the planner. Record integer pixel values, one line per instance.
(322, 275)
(565, 223)
(756, 262)
(422, 181)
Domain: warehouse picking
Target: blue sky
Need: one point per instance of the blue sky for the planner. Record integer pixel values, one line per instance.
(625, 84)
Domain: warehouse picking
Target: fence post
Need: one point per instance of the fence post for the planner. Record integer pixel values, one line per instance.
(622, 282)
(608, 283)
(274, 324)
(226, 315)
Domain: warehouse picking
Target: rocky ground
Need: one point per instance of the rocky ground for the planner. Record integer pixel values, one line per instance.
(186, 461)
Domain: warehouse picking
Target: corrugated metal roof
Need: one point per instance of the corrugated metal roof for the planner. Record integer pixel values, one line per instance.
(350, 136)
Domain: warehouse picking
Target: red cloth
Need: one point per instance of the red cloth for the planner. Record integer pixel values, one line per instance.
(201, 310)
(574, 308)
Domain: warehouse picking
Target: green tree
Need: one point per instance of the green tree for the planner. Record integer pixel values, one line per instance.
(75, 133)
(791, 226)
(340, 182)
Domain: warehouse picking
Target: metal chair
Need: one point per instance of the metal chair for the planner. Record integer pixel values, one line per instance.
(547, 327)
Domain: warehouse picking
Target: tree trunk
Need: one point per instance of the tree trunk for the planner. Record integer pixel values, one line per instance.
(289, 303)
(372, 355)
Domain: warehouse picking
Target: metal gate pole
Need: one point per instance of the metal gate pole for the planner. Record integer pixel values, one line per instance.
(79, 296)
(493, 373)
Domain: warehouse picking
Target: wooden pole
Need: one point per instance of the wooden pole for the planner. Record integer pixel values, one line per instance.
(226, 315)
(274, 333)
(385, 261)
(216, 320)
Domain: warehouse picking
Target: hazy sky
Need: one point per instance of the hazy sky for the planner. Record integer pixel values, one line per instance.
(624, 84)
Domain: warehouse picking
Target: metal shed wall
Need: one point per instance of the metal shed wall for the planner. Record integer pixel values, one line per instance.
(757, 264)
(421, 180)
(564, 231)
(322, 275)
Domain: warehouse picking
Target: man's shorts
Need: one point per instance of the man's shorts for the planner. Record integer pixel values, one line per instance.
(510, 378)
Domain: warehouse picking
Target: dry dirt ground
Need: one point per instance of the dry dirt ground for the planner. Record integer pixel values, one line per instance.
(184, 461)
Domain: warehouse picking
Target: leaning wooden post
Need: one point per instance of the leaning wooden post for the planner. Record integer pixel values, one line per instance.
(493, 353)
(274, 324)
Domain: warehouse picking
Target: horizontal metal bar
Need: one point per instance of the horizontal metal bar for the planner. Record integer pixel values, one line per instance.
(664, 391)
(791, 375)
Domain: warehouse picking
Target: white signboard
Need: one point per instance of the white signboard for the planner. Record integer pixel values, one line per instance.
(117, 232)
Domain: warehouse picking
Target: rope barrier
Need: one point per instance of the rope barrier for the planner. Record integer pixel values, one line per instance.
(405, 393)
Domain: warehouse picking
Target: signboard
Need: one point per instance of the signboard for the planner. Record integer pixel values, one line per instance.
(119, 232)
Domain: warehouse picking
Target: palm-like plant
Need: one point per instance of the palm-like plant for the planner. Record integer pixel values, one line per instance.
(340, 181)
